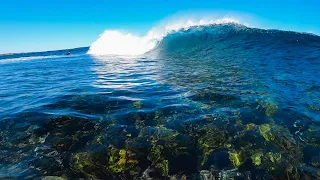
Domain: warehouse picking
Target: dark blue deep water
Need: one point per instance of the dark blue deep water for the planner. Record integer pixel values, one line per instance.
(222, 101)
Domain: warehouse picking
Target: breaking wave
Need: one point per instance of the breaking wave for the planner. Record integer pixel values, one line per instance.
(199, 35)
(113, 42)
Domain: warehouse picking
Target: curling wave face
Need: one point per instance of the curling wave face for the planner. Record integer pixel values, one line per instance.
(113, 42)
(217, 39)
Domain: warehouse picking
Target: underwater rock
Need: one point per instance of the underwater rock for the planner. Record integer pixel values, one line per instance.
(217, 160)
(137, 104)
(235, 159)
(111, 163)
(309, 172)
(82, 148)
(301, 125)
(53, 178)
(45, 151)
(83, 164)
(269, 147)
(156, 134)
(311, 135)
(270, 108)
(17, 171)
(35, 139)
(158, 161)
(122, 160)
(229, 174)
(206, 175)
(7, 157)
(211, 138)
(315, 161)
(222, 175)
(69, 133)
(283, 140)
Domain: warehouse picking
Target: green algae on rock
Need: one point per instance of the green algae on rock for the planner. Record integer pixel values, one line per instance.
(157, 159)
(53, 178)
(235, 159)
(84, 164)
(123, 152)
(121, 160)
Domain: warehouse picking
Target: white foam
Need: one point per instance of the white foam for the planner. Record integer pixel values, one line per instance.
(113, 42)
(28, 58)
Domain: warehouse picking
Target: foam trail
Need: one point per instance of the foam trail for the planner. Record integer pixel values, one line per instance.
(113, 42)
(29, 58)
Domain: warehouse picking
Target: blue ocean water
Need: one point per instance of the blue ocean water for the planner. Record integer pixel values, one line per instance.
(213, 99)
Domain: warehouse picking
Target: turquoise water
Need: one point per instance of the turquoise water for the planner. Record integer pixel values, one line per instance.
(223, 101)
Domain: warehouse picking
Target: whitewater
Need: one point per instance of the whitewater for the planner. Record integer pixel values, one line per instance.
(113, 42)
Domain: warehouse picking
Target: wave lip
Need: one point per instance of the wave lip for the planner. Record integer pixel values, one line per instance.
(113, 42)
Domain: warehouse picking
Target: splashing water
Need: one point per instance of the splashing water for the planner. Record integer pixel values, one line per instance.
(113, 42)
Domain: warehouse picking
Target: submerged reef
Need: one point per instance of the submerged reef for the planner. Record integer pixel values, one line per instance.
(224, 144)
(68, 147)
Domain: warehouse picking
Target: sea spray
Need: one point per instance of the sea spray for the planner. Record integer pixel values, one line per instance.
(113, 42)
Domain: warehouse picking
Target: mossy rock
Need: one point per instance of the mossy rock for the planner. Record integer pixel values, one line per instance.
(283, 141)
(158, 160)
(256, 158)
(121, 160)
(53, 178)
(235, 158)
(156, 134)
(211, 138)
(107, 163)
(269, 108)
(137, 104)
(83, 164)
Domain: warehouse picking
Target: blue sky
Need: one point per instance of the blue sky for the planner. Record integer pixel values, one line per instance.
(37, 25)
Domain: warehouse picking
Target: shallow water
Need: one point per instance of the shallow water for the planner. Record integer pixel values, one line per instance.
(248, 95)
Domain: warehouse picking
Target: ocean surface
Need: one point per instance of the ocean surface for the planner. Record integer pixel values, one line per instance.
(217, 101)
